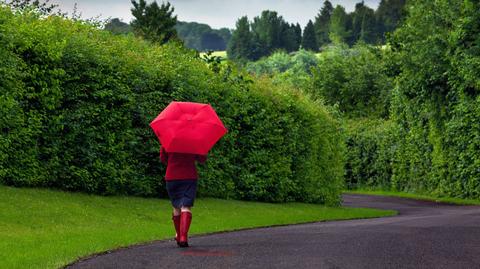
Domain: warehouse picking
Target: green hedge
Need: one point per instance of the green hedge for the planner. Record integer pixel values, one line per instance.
(433, 140)
(370, 153)
(354, 78)
(76, 103)
(436, 102)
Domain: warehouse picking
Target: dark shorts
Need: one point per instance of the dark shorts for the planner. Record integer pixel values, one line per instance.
(182, 192)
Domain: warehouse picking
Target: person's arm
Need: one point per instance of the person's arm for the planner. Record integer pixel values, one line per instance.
(163, 155)
(201, 158)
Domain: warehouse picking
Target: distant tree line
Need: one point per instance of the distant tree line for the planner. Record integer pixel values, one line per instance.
(268, 32)
(117, 26)
(195, 35)
(157, 23)
(202, 37)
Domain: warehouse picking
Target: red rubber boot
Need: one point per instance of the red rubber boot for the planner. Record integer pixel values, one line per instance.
(185, 220)
(176, 223)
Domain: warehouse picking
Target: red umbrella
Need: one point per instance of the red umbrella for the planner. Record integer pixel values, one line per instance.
(187, 127)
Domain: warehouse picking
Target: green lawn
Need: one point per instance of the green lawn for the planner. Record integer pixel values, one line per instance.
(220, 53)
(451, 200)
(42, 228)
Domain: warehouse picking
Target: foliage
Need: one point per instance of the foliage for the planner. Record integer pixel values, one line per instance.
(363, 24)
(202, 37)
(213, 61)
(435, 111)
(339, 28)
(309, 40)
(153, 22)
(264, 35)
(436, 102)
(355, 79)
(322, 24)
(240, 46)
(269, 32)
(369, 153)
(389, 15)
(294, 69)
(117, 26)
(198, 36)
(424, 196)
(44, 7)
(77, 101)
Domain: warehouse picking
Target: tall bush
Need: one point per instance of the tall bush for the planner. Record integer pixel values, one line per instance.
(77, 101)
(354, 78)
(435, 103)
(370, 152)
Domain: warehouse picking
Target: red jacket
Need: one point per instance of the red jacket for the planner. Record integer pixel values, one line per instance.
(180, 165)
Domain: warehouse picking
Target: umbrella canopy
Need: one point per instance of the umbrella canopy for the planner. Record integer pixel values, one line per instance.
(187, 127)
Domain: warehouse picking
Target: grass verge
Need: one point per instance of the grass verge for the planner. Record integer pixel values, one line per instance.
(451, 200)
(220, 53)
(41, 228)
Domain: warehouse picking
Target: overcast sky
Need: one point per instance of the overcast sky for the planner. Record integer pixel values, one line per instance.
(216, 13)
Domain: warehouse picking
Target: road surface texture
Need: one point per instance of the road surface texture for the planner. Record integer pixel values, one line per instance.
(423, 235)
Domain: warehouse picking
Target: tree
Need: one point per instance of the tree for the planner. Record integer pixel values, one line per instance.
(153, 22)
(212, 41)
(322, 24)
(240, 45)
(368, 33)
(267, 29)
(117, 26)
(309, 41)
(388, 15)
(363, 24)
(357, 20)
(355, 79)
(44, 7)
(202, 37)
(225, 33)
(436, 97)
(289, 39)
(298, 34)
(339, 25)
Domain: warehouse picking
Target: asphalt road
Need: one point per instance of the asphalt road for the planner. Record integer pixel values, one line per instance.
(423, 235)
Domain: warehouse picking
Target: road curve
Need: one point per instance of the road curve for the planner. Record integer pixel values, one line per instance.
(423, 235)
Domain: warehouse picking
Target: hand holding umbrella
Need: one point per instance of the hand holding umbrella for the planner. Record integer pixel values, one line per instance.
(187, 127)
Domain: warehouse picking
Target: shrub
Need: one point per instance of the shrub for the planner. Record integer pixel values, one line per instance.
(433, 143)
(77, 101)
(294, 69)
(370, 151)
(355, 79)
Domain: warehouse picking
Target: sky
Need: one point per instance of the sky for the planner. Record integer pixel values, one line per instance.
(216, 13)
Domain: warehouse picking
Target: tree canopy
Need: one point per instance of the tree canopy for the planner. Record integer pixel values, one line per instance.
(309, 41)
(153, 22)
(270, 32)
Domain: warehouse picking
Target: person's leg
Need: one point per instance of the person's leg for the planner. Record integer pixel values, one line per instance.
(185, 220)
(176, 211)
(176, 222)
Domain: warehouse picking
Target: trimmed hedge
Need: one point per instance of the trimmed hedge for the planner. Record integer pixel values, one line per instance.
(370, 153)
(433, 141)
(76, 103)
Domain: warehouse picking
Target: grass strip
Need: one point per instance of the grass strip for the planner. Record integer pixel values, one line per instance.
(427, 197)
(41, 228)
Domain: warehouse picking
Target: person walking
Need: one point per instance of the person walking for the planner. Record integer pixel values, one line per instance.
(181, 183)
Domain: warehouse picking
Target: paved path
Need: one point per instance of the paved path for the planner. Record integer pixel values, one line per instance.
(423, 235)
